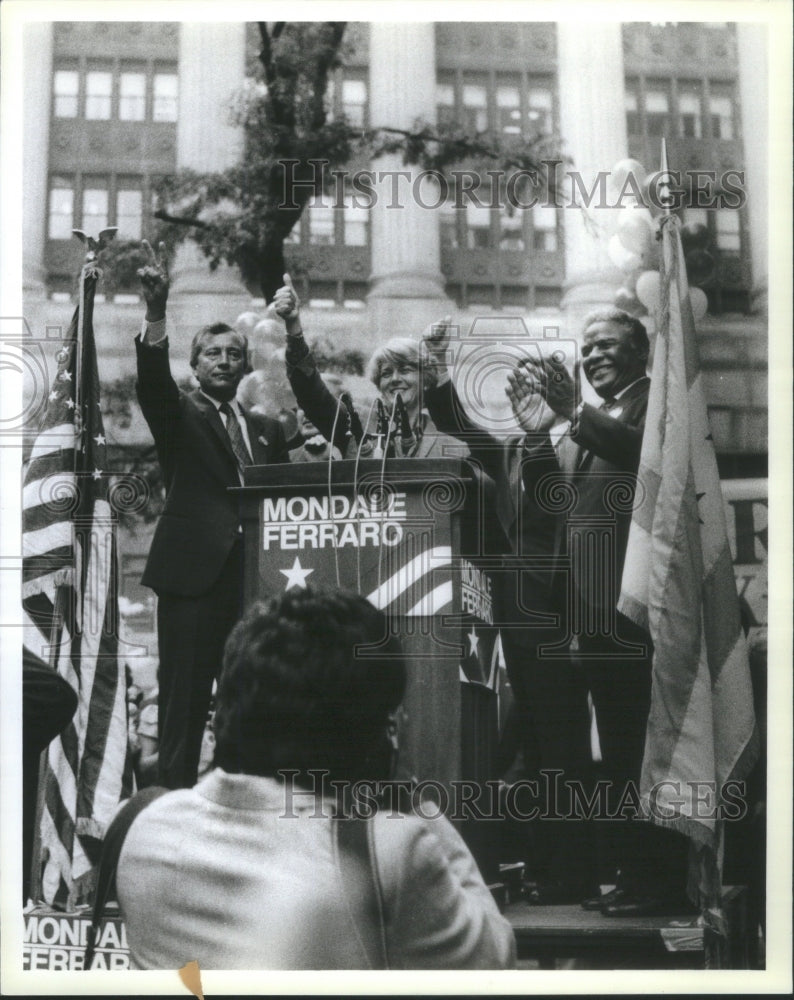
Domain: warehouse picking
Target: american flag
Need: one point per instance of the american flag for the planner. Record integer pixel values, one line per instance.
(70, 607)
(678, 583)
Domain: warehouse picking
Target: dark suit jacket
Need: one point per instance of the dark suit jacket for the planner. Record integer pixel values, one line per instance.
(601, 466)
(605, 455)
(200, 523)
(530, 528)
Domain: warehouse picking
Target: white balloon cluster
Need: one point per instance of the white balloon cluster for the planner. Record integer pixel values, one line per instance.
(635, 248)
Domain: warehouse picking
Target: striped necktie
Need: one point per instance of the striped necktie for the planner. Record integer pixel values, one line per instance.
(236, 436)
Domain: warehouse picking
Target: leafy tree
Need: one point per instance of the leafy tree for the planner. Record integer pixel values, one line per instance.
(242, 215)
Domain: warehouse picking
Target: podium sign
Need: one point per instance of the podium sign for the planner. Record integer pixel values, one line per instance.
(407, 535)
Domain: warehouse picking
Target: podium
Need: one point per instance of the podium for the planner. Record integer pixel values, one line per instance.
(408, 534)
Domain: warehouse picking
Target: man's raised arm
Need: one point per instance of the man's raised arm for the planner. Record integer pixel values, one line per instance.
(311, 393)
(155, 284)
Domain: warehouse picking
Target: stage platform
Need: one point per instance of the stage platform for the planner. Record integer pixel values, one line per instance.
(546, 935)
(553, 934)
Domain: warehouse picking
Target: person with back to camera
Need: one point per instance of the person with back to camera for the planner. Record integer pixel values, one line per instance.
(204, 439)
(248, 870)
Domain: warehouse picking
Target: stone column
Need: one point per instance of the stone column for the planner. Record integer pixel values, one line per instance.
(211, 69)
(593, 128)
(754, 95)
(407, 287)
(37, 69)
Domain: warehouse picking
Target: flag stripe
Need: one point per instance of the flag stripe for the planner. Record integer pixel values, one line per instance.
(69, 562)
(56, 439)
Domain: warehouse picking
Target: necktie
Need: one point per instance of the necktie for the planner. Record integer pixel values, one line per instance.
(608, 403)
(235, 436)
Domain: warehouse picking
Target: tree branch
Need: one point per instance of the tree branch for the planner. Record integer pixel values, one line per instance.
(179, 220)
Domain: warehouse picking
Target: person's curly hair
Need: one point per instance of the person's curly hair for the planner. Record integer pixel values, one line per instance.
(299, 691)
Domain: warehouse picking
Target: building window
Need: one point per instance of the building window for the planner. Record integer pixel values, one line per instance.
(165, 102)
(321, 223)
(478, 226)
(98, 94)
(355, 226)
(721, 114)
(657, 111)
(449, 226)
(511, 229)
(729, 237)
(95, 208)
(540, 109)
(354, 102)
(544, 224)
(445, 103)
(696, 216)
(508, 110)
(689, 112)
(132, 97)
(66, 88)
(631, 104)
(475, 107)
(61, 213)
(129, 203)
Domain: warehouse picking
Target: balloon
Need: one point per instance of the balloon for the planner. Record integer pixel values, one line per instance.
(635, 229)
(621, 171)
(649, 287)
(699, 266)
(695, 235)
(269, 330)
(699, 301)
(622, 258)
(652, 258)
(246, 322)
(626, 300)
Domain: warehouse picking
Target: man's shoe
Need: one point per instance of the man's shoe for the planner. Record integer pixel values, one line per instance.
(595, 903)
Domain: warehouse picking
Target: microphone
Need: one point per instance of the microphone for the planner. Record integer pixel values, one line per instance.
(407, 436)
(365, 444)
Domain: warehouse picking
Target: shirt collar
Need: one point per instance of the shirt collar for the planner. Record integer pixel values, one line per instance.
(218, 404)
(626, 388)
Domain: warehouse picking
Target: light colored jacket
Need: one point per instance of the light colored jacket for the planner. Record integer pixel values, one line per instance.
(226, 874)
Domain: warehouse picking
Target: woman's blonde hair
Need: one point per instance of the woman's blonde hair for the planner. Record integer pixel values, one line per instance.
(403, 351)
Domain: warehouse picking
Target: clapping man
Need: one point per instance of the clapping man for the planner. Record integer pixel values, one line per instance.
(599, 455)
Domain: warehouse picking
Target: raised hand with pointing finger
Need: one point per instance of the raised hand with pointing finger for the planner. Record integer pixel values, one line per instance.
(155, 282)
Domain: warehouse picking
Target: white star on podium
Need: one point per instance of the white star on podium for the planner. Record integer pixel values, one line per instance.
(474, 641)
(296, 576)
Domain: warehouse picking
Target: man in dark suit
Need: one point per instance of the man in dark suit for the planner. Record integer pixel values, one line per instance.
(599, 456)
(204, 440)
(550, 696)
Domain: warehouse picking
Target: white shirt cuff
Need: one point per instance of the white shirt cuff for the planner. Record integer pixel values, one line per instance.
(155, 332)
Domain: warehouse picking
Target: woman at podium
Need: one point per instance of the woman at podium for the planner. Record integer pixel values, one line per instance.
(401, 370)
